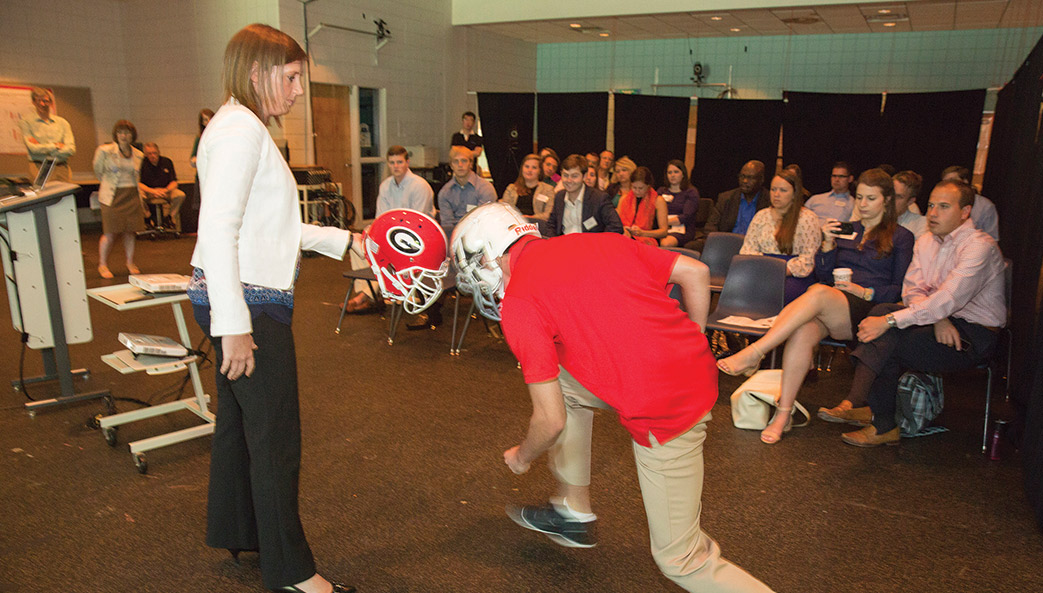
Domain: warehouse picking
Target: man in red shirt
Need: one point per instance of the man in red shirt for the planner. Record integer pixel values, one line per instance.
(564, 303)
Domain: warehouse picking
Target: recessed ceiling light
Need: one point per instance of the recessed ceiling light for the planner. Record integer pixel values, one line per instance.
(716, 18)
(603, 34)
(735, 29)
(890, 24)
(576, 25)
(884, 11)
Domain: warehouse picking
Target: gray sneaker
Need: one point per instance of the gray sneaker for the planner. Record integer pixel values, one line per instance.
(560, 529)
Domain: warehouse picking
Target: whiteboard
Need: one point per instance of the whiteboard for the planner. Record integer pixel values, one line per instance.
(15, 103)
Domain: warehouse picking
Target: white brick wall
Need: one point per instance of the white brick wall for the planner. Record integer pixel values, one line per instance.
(158, 63)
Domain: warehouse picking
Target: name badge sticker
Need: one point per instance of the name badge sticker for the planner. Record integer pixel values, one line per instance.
(542, 198)
(668, 197)
(590, 223)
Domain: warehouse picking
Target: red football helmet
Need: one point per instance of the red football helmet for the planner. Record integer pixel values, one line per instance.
(408, 253)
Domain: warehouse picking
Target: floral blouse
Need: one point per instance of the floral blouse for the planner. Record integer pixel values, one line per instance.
(760, 240)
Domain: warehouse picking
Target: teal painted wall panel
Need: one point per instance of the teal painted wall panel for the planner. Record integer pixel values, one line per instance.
(764, 66)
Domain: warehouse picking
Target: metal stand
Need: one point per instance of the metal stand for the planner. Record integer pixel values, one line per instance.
(197, 404)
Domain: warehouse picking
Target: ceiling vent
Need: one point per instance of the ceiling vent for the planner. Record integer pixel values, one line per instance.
(802, 20)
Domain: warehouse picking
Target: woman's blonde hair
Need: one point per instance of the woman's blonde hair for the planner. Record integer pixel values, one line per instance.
(266, 49)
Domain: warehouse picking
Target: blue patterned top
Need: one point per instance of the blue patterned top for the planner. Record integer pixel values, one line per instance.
(278, 304)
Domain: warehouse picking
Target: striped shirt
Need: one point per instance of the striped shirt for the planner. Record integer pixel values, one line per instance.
(960, 275)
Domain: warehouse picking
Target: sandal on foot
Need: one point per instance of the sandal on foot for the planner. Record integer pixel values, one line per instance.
(769, 436)
(749, 370)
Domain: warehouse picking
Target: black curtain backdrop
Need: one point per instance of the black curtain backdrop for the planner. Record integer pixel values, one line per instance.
(819, 129)
(572, 123)
(651, 130)
(506, 132)
(729, 133)
(926, 132)
(1014, 178)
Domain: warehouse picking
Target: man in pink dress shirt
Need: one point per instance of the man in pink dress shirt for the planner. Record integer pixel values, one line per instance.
(954, 305)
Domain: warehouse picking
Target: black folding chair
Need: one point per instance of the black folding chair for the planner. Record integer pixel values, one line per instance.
(755, 288)
(717, 254)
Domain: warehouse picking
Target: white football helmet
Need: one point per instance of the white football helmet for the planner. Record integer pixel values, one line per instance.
(480, 237)
(406, 250)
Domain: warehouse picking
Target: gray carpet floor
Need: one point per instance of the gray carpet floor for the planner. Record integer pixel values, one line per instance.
(403, 484)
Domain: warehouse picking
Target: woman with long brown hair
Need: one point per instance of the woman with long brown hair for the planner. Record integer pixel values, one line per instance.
(878, 256)
(534, 198)
(642, 211)
(788, 230)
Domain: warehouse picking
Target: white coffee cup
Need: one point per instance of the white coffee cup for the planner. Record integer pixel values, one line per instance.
(841, 275)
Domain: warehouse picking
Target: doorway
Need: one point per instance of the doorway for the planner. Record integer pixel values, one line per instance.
(349, 137)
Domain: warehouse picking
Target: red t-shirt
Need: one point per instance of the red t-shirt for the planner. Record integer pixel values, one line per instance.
(598, 304)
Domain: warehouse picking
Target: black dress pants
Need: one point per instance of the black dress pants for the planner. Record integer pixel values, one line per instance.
(256, 459)
(915, 348)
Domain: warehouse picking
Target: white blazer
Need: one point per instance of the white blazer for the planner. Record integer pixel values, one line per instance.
(250, 226)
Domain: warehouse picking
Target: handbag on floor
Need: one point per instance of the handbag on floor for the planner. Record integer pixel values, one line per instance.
(754, 402)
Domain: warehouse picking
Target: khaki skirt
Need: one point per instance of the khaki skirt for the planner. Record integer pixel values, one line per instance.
(124, 215)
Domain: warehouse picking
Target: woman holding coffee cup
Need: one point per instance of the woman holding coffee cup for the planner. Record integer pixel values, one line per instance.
(865, 270)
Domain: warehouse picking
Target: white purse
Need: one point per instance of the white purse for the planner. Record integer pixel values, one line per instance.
(755, 401)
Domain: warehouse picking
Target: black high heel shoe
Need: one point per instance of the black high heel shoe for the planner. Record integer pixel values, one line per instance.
(236, 551)
(337, 588)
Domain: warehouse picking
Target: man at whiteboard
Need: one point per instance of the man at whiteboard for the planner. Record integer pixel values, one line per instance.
(47, 135)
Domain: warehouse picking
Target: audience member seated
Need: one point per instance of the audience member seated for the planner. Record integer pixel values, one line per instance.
(642, 211)
(907, 189)
(836, 203)
(157, 183)
(606, 166)
(534, 198)
(954, 307)
(592, 160)
(735, 208)
(682, 205)
(786, 230)
(402, 189)
(579, 209)
(624, 168)
(590, 178)
(878, 257)
(463, 193)
(889, 169)
(983, 214)
(800, 173)
(549, 168)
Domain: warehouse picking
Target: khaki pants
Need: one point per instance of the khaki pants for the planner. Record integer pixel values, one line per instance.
(171, 206)
(60, 172)
(671, 478)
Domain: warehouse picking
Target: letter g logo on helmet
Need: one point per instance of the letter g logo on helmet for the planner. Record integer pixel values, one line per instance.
(405, 241)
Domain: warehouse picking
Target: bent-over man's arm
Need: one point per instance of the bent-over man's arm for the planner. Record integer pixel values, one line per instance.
(693, 277)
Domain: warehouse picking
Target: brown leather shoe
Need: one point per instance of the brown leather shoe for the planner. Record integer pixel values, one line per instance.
(867, 437)
(858, 416)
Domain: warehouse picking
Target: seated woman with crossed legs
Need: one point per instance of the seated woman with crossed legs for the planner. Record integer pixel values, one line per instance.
(878, 257)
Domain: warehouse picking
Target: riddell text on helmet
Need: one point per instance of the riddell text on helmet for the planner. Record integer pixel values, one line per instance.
(521, 229)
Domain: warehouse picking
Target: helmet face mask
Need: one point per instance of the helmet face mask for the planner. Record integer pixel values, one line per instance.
(406, 250)
(479, 239)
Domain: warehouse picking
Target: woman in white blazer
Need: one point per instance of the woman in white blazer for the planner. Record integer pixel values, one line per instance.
(246, 259)
(117, 166)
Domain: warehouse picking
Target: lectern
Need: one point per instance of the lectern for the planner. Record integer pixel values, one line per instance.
(45, 283)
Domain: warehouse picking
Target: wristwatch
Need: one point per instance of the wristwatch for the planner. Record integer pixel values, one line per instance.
(891, 322)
